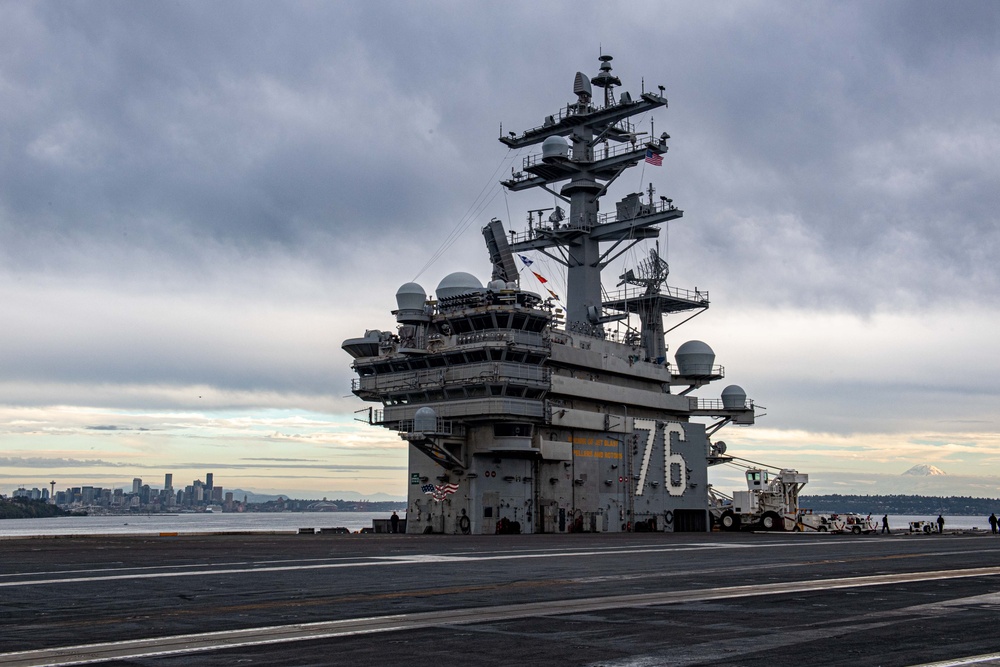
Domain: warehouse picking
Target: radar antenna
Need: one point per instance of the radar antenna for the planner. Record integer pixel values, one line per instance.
(606, 80)
(650, 274)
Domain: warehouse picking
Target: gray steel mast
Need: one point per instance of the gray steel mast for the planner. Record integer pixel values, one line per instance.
(575, 148)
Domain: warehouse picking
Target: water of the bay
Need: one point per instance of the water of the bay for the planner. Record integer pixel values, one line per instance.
(291, 522)
(217, 522)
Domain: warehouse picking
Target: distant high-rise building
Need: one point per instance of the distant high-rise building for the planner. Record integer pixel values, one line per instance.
(168, 481)
(209, 481)
(136, 485)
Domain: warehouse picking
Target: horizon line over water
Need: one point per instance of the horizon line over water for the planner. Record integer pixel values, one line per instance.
(291, 522)
(218, 522)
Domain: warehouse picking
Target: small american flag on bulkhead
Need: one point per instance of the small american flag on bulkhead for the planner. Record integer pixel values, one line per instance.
(653, 158)
(440, 491)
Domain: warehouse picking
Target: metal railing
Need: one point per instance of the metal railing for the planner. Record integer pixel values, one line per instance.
(595, 154)
(634, 292)
(642, 210)
(717, 370)
(544, 230)
(443, 427)
(576, 110)
(440, 377)
(529, 338)
(586, 223)
(476, 407)
(716, 405)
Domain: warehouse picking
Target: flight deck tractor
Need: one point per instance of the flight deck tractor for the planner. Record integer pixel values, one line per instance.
(769, 503)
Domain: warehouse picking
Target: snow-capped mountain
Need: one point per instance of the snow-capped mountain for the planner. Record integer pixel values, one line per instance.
(924, 470)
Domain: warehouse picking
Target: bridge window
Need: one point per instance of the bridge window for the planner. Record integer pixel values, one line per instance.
(512, 430)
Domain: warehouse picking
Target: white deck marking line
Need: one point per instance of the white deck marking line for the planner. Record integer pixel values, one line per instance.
(259, 563)
(188, 566)
(970, 660)
(415, 559)
(370, 561)
(86, 654)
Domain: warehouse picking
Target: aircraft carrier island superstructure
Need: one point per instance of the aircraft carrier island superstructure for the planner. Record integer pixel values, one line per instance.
(522, 417)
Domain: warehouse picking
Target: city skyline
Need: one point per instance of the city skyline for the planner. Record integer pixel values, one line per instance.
(200, 202)
(138, 484)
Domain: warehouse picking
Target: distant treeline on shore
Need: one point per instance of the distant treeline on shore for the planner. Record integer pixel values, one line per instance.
(295, 505)
(25, 508)
(900, 504)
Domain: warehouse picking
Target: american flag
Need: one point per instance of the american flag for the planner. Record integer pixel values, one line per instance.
(653, 158)
(438, 492)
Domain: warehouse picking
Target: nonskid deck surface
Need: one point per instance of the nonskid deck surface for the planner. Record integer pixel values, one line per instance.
(499, 600)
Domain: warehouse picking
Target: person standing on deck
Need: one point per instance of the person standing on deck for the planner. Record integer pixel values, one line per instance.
(394, 522)
(993, 523)
(940, 523)
(885, 524)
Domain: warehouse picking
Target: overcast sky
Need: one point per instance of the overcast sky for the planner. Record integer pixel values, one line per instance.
(200, 201)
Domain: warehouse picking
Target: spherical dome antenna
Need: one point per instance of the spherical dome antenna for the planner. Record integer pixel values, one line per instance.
(410, 296)
(694, 358)
(425, 420)
(554, 147)
(457, 284)
(734, 398)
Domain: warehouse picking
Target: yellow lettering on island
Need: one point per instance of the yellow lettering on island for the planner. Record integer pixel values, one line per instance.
(587, 453)
(594, 442)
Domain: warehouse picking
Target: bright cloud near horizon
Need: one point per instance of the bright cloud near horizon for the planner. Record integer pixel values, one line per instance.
(200, 201)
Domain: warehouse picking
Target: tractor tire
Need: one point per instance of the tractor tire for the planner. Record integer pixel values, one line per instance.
(856, 530)
(772, 521)
(729, 521)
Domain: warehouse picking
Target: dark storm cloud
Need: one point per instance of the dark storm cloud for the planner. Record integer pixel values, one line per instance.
(279, 466)
(282, 460)
(847, 172)
(196, 166)
(296, 128)
(112, 427)
(255, 127)
(41, 462)
(269, 464)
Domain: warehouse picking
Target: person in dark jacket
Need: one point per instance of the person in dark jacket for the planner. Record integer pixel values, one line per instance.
(885, 524)
(394, 522)
(940, 523)
(993, 523)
